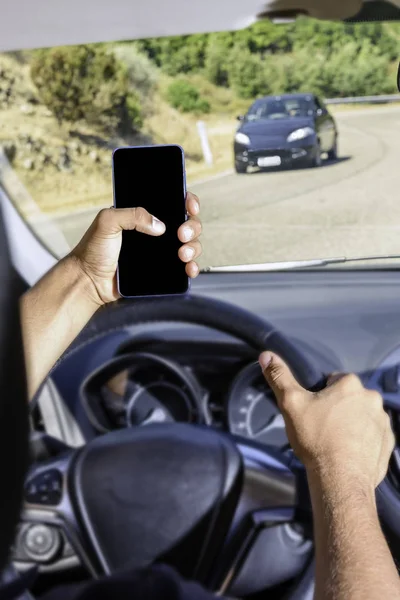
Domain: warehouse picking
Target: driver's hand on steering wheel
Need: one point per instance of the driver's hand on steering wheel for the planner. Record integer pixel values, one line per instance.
(341, 434)
(97, 252)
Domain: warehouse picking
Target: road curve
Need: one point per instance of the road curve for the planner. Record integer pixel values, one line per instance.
(348, 207)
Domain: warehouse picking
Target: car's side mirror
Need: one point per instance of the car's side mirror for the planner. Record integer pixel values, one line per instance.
(320, 112)
(240, 117)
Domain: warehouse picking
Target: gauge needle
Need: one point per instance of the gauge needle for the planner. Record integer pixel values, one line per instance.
(156, 416)
(276, 423)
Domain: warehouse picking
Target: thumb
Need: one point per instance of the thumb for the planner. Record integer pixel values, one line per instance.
(111, 221)
(278, 375)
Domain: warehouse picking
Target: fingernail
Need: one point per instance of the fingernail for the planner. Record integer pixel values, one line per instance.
(188, 253)
(264, 359)
(196, 207)
(157, 225)
(187, 234)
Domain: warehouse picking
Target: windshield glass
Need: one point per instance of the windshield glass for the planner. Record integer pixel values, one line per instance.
(290, 133)
(278, 108)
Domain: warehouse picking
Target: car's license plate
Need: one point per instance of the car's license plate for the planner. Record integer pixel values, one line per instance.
(269, 161)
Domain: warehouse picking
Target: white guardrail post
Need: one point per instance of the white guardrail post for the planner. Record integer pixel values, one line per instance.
(205, 145)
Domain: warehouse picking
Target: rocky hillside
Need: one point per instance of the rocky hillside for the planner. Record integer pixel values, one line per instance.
(68, 167)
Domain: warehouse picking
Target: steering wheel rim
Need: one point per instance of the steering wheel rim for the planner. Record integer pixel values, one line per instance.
(197, 310)
(224, 317)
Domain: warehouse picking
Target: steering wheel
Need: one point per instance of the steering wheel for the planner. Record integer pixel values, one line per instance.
(186, 495)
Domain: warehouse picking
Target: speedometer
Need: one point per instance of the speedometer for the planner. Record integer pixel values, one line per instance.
(252, 411)
(139, 389)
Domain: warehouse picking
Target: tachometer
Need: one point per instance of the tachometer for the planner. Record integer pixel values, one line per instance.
(252, 411)
(139, 389)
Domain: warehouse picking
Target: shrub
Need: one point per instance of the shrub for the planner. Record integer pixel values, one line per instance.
(355, 70)
(177, 54)
(350, 70)
(142, 73)
(330, 36)
(250, 75)
(297, 73)
(133, 112)
(82, 82)
(185, 97)
(216, 65)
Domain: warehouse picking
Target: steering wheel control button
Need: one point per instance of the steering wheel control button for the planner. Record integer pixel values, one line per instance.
(41, 543)
(45, 488)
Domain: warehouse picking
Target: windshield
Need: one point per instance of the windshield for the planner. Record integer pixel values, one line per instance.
(290, 133)
(277, 108)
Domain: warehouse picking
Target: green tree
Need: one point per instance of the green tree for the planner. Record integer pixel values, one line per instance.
(349, 71)
(141, 71)
(177, 54)
(185, 97)
(85, 82)
(331, 36)
(356, 71)
(249, 75)
(216, 67)
(265, 37)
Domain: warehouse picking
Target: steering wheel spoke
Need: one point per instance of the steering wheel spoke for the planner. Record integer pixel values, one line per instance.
(49, 535)
(272, 497)
(249, 531)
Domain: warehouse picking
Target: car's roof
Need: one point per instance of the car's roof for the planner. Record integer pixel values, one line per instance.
(38, 23)
(303, 96)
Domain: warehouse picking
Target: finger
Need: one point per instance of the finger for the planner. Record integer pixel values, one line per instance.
(278, 375)
(190, 251)
(192, 204)
(192, 269)
(111, 221)
(190, 230)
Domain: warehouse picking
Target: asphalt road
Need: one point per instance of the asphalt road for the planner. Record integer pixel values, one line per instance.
(348, 207)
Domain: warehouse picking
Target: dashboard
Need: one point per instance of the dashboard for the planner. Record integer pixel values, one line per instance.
(214, 384)
(344, 320)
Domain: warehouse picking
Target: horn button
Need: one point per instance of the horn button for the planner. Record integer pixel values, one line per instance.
(163, 492)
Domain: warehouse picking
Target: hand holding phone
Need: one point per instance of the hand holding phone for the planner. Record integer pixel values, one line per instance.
(97, 252)
(147, 265)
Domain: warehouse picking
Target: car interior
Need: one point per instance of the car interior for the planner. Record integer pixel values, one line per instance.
(155, 437)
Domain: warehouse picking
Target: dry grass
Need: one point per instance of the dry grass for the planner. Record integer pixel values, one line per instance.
(167, 126)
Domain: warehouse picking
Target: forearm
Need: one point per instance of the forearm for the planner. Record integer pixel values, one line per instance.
(353, 561)
(53, 312)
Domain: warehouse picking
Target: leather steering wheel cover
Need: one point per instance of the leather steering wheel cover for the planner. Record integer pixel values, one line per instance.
(14, 425)
(198, 310)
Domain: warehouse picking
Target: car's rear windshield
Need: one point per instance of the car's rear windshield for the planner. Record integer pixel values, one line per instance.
(282, 108)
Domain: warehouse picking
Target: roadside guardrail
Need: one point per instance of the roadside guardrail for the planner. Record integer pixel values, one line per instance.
(383, 99)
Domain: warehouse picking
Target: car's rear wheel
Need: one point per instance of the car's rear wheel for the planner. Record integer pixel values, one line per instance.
(333, 153)
(240, 167)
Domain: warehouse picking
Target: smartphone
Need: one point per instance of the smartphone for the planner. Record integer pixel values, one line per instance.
(152, 177)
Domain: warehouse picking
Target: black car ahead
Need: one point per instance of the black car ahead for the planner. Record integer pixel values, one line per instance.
(285, 130)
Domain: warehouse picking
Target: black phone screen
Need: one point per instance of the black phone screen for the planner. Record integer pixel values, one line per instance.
(152, 177)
